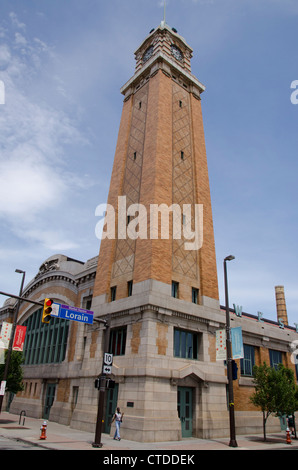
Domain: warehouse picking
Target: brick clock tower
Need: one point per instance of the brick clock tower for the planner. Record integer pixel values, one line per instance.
(156, 275)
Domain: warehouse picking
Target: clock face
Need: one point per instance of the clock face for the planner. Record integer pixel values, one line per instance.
(148, 53)
(177, 53)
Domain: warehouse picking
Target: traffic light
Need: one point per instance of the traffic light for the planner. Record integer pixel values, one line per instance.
(234, 370)
(46, 313)
(110, 383)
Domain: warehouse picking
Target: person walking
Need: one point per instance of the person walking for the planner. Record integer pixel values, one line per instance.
(118, 416)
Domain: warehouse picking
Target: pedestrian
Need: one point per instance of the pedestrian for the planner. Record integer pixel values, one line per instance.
(291, 424)
(118, 416)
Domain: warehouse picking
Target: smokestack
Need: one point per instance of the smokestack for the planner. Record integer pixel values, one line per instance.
(281, 304)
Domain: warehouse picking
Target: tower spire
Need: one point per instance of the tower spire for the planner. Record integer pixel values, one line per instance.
(164, 13)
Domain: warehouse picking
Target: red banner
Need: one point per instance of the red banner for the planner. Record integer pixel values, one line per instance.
(19, 338)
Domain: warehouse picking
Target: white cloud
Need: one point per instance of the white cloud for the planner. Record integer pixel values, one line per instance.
(37, 141)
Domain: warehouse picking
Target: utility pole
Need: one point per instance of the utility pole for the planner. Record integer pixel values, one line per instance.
(102, 389)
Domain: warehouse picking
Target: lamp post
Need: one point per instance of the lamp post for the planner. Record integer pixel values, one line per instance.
(15, 319)
(233, 442)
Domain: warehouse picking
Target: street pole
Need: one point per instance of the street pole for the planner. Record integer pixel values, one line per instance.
(233, 442)
(15, 319)
(102, 390)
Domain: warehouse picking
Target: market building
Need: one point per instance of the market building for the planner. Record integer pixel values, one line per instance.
(155, 279)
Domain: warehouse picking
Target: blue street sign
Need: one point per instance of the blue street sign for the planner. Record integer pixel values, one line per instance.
(72, 313)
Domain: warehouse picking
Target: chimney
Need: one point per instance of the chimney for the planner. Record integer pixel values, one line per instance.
(281, 304)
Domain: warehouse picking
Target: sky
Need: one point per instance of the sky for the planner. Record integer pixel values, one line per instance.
(62, 64)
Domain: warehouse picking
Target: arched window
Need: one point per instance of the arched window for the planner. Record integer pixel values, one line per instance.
(45, 343)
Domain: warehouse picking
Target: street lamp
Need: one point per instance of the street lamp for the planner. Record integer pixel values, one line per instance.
(15, 319)
(233, 442)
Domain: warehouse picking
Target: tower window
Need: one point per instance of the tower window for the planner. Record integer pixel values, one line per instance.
(113, 293)
(140, 104)
(182, 155)
(194, 295)
(175, 286)
(129, 288)
(135, 155)
(180, 103)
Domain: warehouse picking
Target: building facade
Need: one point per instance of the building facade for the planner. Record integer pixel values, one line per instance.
(155, 279)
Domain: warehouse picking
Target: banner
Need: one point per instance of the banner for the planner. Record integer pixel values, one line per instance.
(237, 343)
(2, 387)
(19, 338)
(221, 348)
(5, 333)
(2, 353)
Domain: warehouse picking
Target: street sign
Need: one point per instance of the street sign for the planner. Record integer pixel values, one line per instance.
(107, 369)
(72, 313)
(108, 359)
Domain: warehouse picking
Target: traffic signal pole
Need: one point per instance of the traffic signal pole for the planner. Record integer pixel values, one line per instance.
(15, 319)
(102, 389)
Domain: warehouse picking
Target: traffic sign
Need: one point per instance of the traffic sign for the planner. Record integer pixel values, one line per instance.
(107, 369)
(108, 359)
(72, 313)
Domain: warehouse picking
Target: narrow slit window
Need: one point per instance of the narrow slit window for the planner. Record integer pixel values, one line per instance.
(182, 155)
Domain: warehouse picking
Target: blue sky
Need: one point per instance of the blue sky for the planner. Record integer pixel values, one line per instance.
(63, 64)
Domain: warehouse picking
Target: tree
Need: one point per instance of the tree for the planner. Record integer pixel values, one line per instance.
(275, 391)
(14, 382)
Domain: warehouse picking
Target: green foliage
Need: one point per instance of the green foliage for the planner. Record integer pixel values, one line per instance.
(15, 373)
(275, 391)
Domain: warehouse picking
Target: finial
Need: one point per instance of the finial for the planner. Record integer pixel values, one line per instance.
(164, 14)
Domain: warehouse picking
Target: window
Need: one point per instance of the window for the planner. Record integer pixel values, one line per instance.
(194, 295)
(180, 103)
(247, 363)
(175, 286)
(275, 358)
(129, 288)
(182, 155)
(185, 344)
(117, 341)
(113, 293)
(135, 155)
(45, 343)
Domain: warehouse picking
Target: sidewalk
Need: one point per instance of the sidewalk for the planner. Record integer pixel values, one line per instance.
(61, 437)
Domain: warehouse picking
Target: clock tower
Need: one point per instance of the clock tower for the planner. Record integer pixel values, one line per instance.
(156, 276)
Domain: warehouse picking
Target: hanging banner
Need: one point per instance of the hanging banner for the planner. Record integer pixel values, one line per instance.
(5, 333)
(221, 348)
(2, 387)
(237, 343)
(19, 338)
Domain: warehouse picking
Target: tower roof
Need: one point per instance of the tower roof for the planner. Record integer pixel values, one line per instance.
(164, 49)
